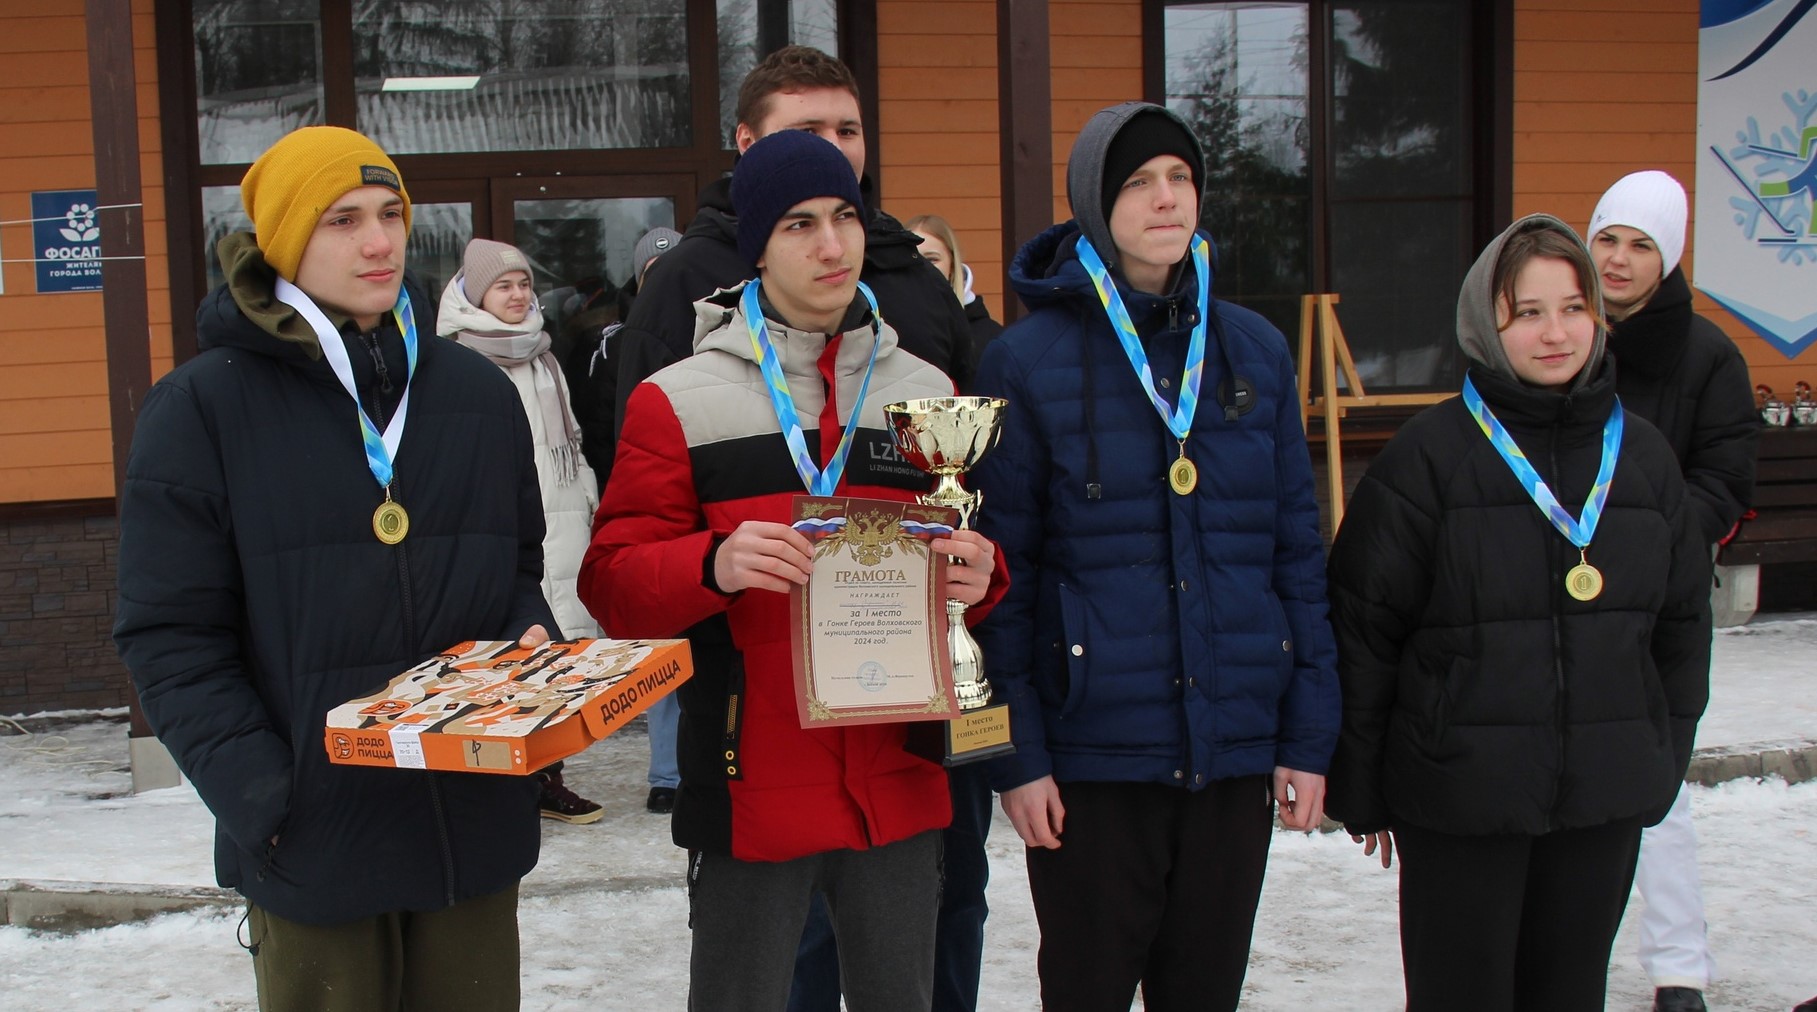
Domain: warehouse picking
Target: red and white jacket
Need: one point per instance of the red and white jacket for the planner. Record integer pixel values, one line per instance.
(699, 453)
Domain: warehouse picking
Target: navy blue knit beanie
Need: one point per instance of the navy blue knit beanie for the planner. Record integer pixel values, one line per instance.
(780, 171)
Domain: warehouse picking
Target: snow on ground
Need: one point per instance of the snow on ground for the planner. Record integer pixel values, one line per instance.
(604, 915)
(1763, 683)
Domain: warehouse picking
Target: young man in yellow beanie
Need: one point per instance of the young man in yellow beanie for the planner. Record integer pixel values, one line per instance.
(323, 497)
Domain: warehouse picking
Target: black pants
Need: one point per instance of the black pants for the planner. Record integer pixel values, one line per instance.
(1153, 885)
(1504, 922)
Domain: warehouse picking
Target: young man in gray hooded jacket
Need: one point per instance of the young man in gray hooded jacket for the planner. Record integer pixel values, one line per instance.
(1164, 647)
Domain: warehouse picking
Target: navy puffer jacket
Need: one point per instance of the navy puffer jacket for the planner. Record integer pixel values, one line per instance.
(254, 597)
(1150, 637)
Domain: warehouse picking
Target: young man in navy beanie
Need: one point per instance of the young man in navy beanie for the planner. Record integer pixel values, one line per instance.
(801, 89)
(693, 538)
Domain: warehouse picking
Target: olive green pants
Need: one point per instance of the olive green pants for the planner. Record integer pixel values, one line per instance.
(463, 957)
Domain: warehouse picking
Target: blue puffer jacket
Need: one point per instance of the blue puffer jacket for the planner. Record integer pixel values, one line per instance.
(1150, 637)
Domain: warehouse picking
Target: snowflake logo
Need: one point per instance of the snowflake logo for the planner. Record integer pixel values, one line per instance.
(81, 226)
(1777, 207)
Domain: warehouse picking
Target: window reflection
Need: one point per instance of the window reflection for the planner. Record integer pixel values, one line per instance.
(581, 74)
(222, 214)
(1399, 264)
(258, 74)
(1237, 73)
(438, 236)
(742, 27)
(1394, 154)
(1402, 207)
(571, 240)
(1399, 115)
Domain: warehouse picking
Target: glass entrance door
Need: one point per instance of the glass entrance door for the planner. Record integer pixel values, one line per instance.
(579, 231)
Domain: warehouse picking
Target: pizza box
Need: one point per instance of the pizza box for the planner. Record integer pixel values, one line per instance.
(491, 706)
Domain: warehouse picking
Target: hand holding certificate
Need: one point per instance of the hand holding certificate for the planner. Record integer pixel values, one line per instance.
(870, 629)
(762, 556)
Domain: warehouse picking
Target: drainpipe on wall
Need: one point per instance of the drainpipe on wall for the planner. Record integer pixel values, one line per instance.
(114, 109)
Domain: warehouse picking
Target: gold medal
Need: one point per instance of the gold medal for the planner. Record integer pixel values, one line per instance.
(1584, 581)
(389, 522)
(1183, 475)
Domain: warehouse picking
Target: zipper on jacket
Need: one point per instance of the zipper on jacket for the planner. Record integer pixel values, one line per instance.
(371, 341)
(1558, 649)
(441, 834)
(734, 767)
(404, 599)
(408, 606)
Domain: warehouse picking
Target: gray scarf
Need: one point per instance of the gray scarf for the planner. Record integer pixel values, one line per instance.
(508, 345)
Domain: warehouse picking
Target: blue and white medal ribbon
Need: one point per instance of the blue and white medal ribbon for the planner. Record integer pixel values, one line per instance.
(1583, 581)
(1183, 476)
(389, 522)
(817, 482)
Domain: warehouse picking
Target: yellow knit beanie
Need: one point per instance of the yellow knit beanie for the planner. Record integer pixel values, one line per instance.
(287, 190)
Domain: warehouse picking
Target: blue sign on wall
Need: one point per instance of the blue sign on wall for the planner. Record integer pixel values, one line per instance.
(66, 240)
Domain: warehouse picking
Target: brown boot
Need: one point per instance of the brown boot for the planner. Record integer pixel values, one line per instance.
(558, 802)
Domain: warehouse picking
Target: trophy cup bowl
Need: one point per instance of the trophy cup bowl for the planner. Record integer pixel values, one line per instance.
(947, 436)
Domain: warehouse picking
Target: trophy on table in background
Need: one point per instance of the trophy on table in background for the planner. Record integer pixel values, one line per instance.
(1773, 411)
(947, 436)
(1804, 410)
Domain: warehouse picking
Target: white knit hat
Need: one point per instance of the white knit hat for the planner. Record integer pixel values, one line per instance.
(1652, 202)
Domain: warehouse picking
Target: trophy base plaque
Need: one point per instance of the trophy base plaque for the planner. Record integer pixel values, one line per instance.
(972, 736)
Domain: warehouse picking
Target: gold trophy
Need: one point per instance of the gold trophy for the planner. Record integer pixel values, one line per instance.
(947, 436)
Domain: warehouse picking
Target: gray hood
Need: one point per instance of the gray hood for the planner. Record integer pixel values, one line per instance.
(1085, 171)
(1476, 333)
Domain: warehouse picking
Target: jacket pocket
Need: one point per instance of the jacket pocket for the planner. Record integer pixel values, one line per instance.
(1439, 720)
(1073, 648)
(1284, 629)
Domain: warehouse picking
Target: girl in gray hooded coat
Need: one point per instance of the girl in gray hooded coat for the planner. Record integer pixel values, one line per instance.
(1520, 597)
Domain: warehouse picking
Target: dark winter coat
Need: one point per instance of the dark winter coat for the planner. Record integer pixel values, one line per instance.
(1479, 697)
(911, 293)
(984, 329)
(702, 453)
(254, 597)
(1148, 636)
(1683, 374)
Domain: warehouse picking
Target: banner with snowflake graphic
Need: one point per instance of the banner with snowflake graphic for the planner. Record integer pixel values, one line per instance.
(66, 240)
(1756, 238)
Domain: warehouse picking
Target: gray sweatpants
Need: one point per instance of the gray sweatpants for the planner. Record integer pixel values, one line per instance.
(747, 918)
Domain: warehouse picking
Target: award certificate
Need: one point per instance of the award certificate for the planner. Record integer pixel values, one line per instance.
(869, 634)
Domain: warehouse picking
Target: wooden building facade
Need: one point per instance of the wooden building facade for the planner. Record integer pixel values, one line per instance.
(1364, 147)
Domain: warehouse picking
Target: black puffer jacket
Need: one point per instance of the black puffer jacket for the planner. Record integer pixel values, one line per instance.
(253, 597)
(911, 294)
(1480, 698)
(1683, 374)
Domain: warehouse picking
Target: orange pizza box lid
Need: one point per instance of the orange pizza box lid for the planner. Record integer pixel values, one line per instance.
(491, 706)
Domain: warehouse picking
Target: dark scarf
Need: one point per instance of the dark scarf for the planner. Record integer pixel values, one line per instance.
(1649, 343)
